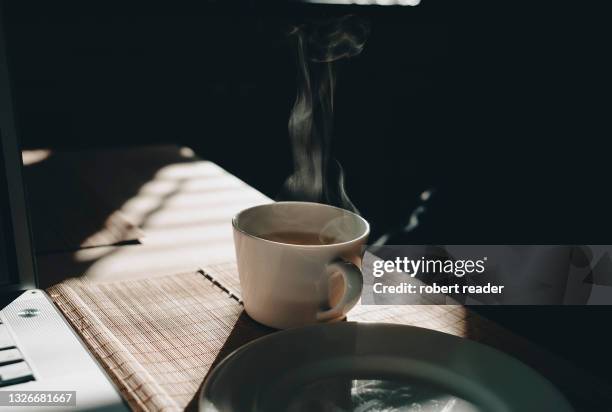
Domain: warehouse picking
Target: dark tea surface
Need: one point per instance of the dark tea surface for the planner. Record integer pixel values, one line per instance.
(299, 238)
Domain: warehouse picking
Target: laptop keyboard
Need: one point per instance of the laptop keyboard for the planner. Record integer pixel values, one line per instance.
(13, 368)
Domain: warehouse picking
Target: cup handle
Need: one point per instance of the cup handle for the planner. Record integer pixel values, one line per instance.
(353, 284)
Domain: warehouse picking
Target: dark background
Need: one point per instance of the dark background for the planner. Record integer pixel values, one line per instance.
(502, 107)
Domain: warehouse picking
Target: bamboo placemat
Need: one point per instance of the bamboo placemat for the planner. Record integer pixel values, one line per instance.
(157, 338)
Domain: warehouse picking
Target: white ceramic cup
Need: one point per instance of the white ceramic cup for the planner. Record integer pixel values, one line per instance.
(286, 285)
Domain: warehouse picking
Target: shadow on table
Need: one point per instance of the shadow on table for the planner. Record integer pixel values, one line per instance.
(244, 331)
(180, 205)
(75, 199)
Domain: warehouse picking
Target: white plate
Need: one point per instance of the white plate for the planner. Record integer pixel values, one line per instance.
(374, 367)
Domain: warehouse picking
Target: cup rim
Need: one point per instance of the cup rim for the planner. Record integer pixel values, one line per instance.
(362, 236)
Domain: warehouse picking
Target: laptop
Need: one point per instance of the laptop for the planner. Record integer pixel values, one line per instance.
(43, 363)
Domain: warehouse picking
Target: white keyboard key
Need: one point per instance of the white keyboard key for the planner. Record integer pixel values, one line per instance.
(15, 373)
(9, 356)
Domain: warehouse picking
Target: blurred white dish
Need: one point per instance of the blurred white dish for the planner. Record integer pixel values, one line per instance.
(372, 367)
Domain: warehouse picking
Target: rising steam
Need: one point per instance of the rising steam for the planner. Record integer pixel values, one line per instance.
(317, 176)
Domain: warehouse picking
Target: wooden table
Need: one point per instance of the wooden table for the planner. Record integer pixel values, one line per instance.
(129, 213)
